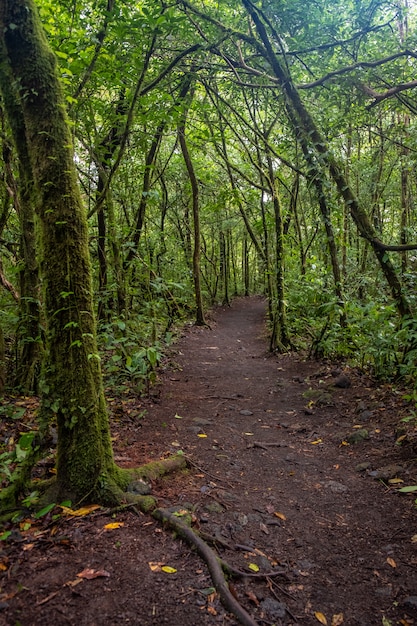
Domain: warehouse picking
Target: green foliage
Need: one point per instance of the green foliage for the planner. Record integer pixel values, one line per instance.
(13, 456)
(125, 361)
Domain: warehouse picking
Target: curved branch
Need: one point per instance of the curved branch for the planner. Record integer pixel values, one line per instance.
(379, 97)
(356, 66)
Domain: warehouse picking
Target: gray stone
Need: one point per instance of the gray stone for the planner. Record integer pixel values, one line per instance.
(214, 507)
(342, 382)
(365, 416)
(139, 487)
(386, 472)
(362, 467)
(275, 609)
(357, 436)
(245, 412)
(336, 487)
(202, 421)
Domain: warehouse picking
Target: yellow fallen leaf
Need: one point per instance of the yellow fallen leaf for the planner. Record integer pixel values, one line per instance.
(391, 562)
(414, 539)
(114, 525)
(249, 434)
(316, 442)
(168, 570)
(280, 515)
(3, 567)
(338, 619)
(85, 510)
(395, 481)
(253, 567)
(320, 618)
(177, 417)
(344, 443)
(202, 435)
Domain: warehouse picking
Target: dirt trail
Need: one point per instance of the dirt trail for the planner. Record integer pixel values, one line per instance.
(290, 468)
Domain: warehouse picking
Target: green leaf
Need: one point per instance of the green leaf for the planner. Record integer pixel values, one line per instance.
(5, 535)
(409, 489)
(45, 510)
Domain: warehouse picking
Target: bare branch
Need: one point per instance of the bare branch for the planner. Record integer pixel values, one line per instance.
(356, 66)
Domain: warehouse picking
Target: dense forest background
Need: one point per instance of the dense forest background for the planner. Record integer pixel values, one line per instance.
(221, 149)
(209, 149)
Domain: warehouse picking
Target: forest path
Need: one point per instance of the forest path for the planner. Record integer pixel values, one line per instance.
(283, 468)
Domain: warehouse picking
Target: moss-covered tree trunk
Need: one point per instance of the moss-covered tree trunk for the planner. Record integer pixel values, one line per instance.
(29, 341)
(72, 385)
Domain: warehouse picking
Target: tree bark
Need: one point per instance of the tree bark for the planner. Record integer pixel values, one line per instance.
(29, 335)
(200, 319)
(72, 385)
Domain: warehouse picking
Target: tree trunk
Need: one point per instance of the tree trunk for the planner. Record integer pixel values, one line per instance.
(279, 336)
(29, 335)
(200, 319)
(72, 385)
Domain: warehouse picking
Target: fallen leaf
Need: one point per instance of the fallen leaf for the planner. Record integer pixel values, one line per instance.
(253, 567)
(264, 528)
(211, 610)
(89, 574)
(85, 510)
(316, 441)
(249, 434)
(414, 539)
(202, 435)
(3, 567)
(338, 619)
(177, 417)
(391, 562)
(320, 618)
(395, 481)
(155, 566)
(280, 515)
(168, 570)
(386, 621)
(114, 525)
(27, 548)
(252, 597)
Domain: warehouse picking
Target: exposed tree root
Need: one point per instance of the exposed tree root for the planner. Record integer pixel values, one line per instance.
(215, 566)
(156, 469)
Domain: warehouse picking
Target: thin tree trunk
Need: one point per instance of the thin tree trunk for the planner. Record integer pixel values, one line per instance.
(200, 319)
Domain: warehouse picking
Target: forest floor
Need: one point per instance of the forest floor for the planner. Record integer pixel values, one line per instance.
(294, 467)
